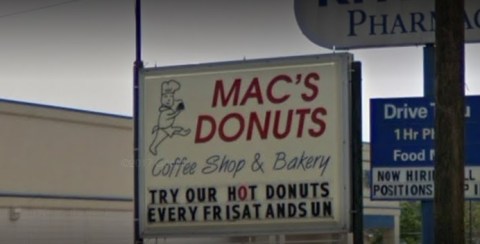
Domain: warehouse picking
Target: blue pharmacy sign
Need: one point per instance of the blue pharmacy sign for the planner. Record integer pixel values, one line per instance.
(403, 151)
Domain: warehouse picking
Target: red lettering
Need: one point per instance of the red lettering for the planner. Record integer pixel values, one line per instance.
(276, 124)
(277, 99)
(312, 86)
(198, 134)
(234, 126)
(242, 193)
(222, 129)
(253, 91)
(254, 121)
(219, 93)
(301, 121)
(317, 119)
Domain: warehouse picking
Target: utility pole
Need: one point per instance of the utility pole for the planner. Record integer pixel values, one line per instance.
(449, 122)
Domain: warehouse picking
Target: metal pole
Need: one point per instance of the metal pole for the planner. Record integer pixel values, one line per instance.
(137, 66)
(428, 92)
(357, 161)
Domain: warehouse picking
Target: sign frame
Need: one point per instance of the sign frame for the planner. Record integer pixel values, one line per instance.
(341, 64)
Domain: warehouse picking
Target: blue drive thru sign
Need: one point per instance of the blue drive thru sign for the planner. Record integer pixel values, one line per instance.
(403, 151)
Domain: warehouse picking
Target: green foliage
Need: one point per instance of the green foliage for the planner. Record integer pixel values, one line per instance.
(410, 222)
(472, 220)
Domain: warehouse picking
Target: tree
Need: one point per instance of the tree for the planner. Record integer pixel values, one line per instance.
(410, 222)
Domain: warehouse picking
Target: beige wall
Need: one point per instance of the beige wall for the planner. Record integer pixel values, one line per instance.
(58, 226)
(49, 151)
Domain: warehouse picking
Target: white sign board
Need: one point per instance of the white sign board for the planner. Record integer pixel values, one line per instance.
(348, 24)
(245, 147)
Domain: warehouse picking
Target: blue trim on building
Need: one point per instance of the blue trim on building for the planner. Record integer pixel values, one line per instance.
(66, 197)
(378, 221)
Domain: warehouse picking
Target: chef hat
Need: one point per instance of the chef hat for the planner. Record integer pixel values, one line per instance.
(170, 87)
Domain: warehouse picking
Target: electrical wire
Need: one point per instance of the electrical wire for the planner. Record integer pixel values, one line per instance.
(37, 8)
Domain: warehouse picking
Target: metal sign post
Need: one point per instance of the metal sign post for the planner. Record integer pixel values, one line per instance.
(428, 92)
(357, 158)
(138, 65)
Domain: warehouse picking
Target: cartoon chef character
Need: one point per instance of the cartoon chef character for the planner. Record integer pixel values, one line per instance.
(168, 111)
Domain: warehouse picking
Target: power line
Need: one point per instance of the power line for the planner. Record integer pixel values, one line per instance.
(37, 9)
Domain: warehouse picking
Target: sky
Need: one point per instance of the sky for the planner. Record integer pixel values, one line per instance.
(79, 54)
